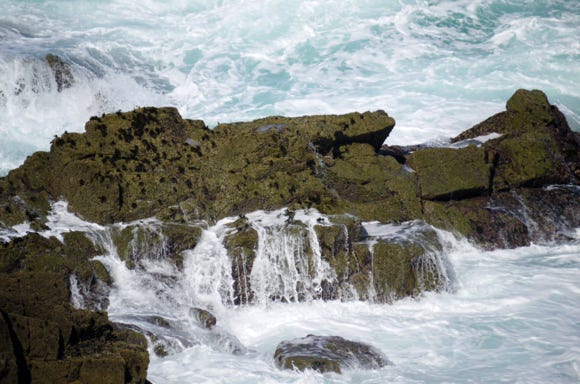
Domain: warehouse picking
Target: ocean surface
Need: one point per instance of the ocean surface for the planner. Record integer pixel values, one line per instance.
(437, 67)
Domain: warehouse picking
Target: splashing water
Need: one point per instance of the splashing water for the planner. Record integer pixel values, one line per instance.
(507, 312)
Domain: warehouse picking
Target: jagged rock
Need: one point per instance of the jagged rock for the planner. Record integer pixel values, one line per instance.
(326, 132)
(35, 253)
(405, 262)
(371, 186)
(327, 354)
(139, 242)
(509, 191)
(241, 244)
(53, 342)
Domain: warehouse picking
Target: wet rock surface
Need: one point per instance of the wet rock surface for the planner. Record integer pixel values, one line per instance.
(49, 341)
(327, 354)
(518, 187)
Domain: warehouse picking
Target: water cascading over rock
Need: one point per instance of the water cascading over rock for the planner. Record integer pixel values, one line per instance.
(176, 216)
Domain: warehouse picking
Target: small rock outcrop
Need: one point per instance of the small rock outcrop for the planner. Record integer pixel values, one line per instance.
(327, 354)
(62, 72)
(204, 318)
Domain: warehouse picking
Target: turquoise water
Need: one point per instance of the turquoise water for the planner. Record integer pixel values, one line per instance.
(438, 67)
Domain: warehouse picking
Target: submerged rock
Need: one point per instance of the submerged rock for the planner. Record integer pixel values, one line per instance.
(62, 72)
(327, 354)
(204, 318)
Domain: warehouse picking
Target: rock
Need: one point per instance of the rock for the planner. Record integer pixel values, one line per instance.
(35, 253)
(241, 244)
(327, 354)
(203, 317)
(139, 242)
(371, 186)
(451, 174)
(150, 162)
(326, 132)
(56, 343)
(62, 72)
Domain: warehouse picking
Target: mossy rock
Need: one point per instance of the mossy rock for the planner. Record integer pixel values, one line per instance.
(242, 243)
(372, 186)
(326, 132)
(58, 342)
(336, 246)
(327, 354)
(478, 220)
(23, 197)
(162, 241)
(403, 267)
(34, 253)
(127, 165)
(447, 174)
(529, 160)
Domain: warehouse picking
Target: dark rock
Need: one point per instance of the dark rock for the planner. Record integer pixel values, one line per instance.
(53, 342)
(204, 318)
(62, 72)
(241, 244)
(327, 354)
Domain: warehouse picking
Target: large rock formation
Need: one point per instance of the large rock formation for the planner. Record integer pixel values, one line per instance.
(519, 186)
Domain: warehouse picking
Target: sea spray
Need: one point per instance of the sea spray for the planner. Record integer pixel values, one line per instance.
(437, 67)
(507, 309)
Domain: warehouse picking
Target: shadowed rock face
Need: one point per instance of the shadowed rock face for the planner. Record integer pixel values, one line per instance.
(519, 187)
(49, 341)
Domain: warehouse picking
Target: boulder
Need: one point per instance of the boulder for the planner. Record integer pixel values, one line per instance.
(451, 174)
(327, 354)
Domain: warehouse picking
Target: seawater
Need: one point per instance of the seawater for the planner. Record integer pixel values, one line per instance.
(507, 316)
(437, 66)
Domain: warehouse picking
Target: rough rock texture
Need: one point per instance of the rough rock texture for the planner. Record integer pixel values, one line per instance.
(536, 151)
(327, 354)
(51, 342)
(127, 167)
(203, 317)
